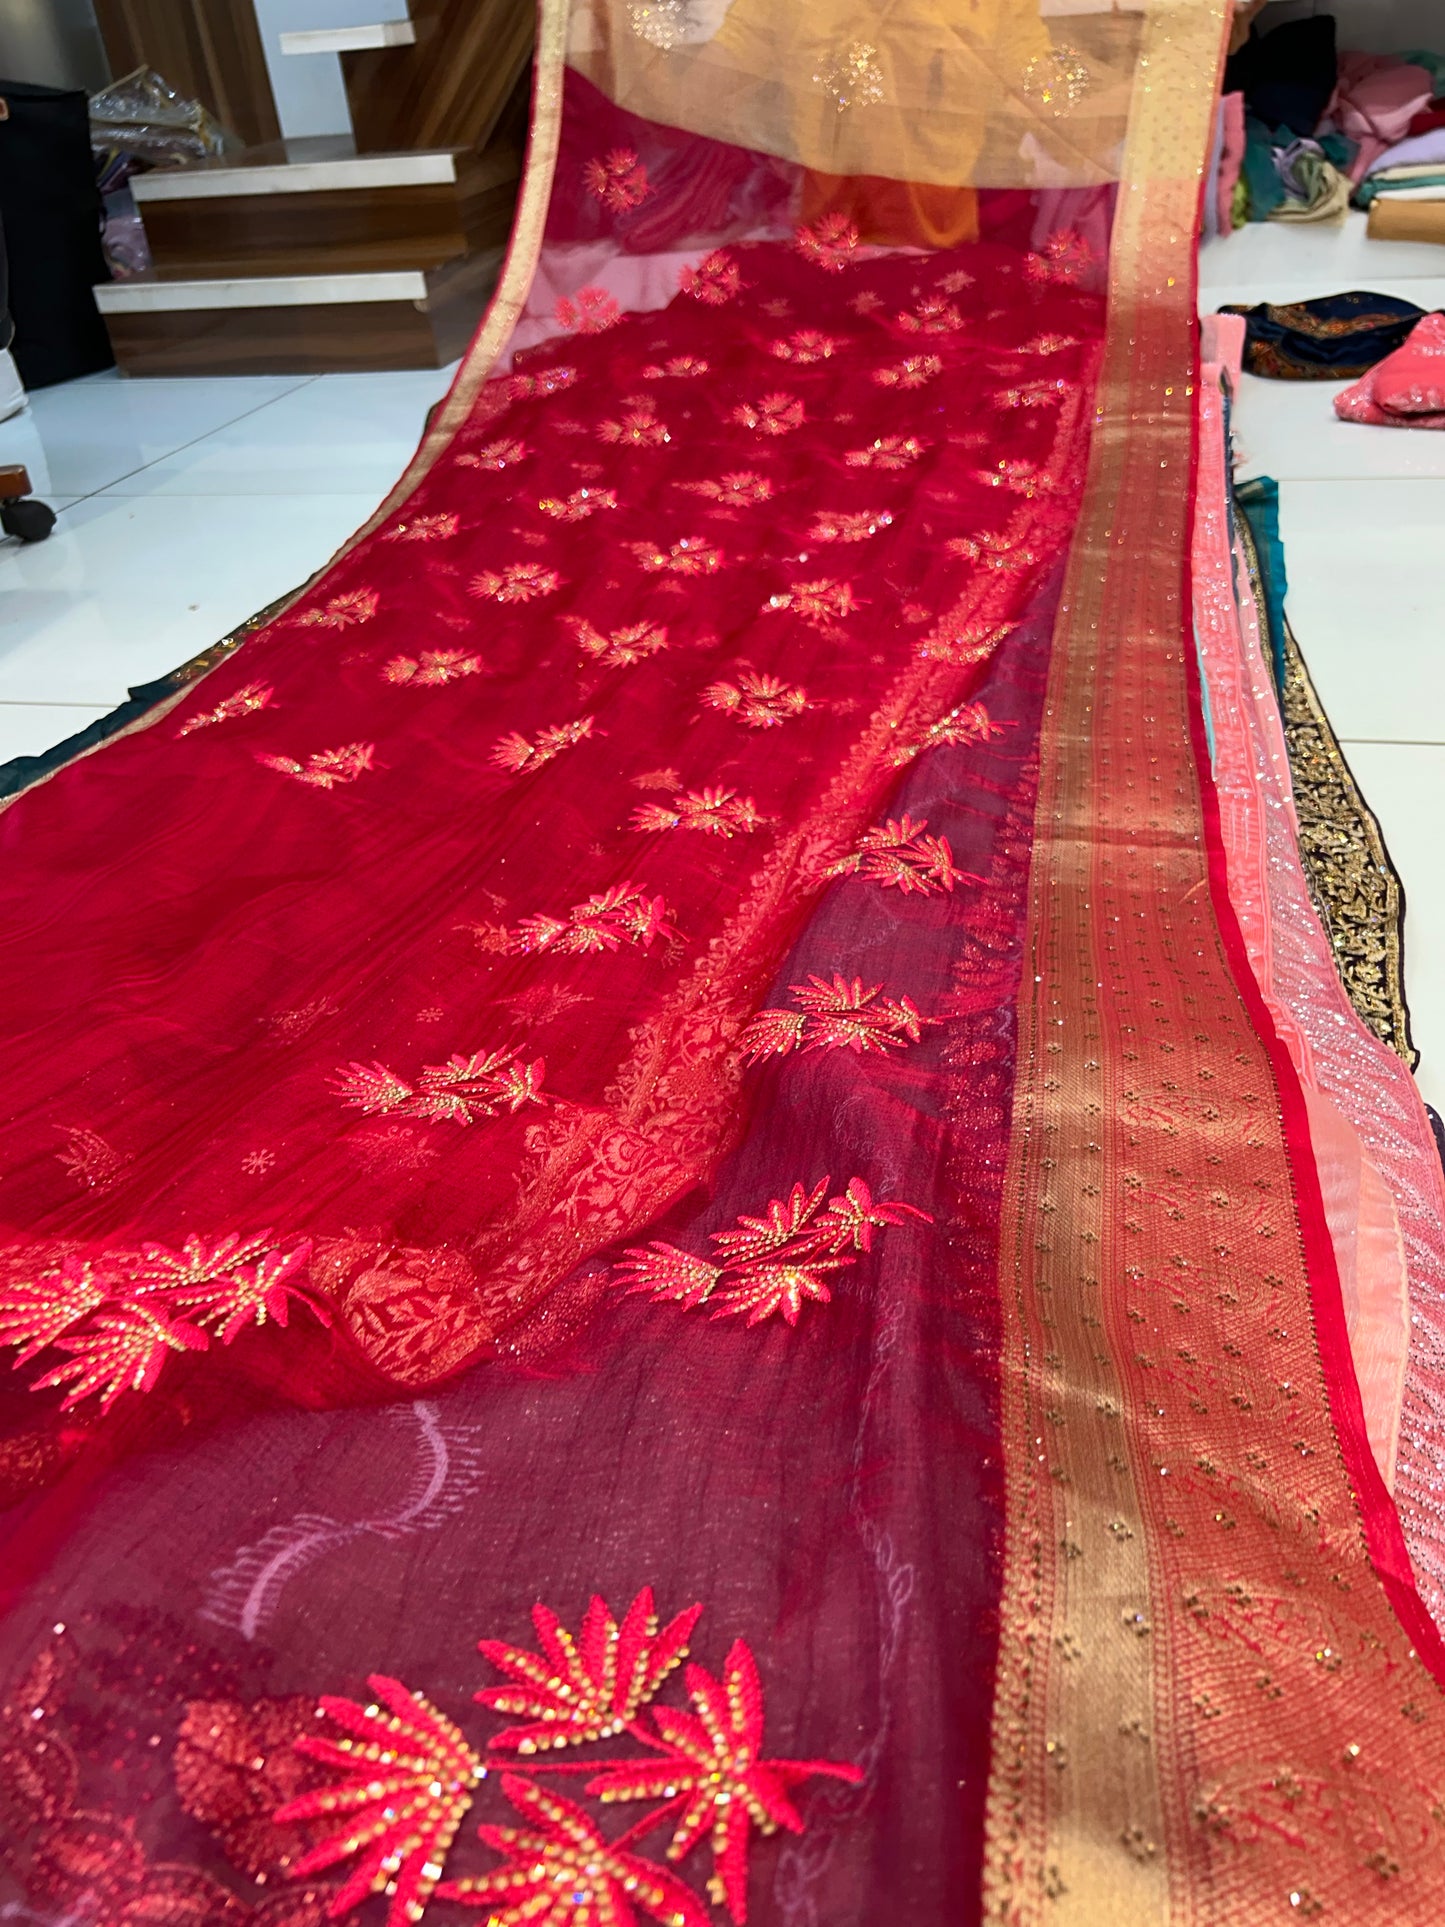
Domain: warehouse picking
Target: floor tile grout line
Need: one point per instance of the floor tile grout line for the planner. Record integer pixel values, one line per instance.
(1391, 742)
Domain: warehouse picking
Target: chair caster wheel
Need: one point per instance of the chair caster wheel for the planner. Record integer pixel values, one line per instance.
(31, 521)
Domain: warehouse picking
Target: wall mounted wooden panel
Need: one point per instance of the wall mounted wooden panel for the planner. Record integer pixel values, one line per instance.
(209, 48)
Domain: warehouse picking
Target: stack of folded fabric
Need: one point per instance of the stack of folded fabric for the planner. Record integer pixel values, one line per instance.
(1407, 388)
(1336, 337)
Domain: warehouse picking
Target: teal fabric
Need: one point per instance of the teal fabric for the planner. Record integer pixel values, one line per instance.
(1258, 502)
(1258, 172)
(1434, 64)
(1369, 189)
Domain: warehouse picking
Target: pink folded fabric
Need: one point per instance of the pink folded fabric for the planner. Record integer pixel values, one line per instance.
(1407, 388)
(1375, 99)
(1231, 158)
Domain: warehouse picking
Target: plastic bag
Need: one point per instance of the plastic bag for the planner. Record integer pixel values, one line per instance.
(142, 115)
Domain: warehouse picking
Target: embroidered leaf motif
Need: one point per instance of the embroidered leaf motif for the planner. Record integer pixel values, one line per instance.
(33, 1315)
(592, 312)
(967, 722)
(932, 316)
(424, 528)
(226, 1283)
(118, 1350)
(771, 1264)
(516, 754)
(88, 1158)
(677, 368)
(849, 526)
(550, 381)
(717, 812)
(1031, 394)
(1064, 258)
(1023, 477)
(716, 1780)
(740, 490)
(241, 702)
(690, 556)
(496, 455)
(821, 603)
(623, 647)
(952, 639)
(1049, 344)
(518, 582)
(623, 914)
(829, 243)
(806, 346)
(561, 1870)
(886, 451)
(714, 280)
(324, 769)
(639, 428)
(913, 372)
(834, 1016)
(406, 1780)
(772, 415)
(901, 855)
(577, 506)
(590, 1687)
(762, 702)
(459, 1091)
(617, 179)
(343, 611)
(432, 668)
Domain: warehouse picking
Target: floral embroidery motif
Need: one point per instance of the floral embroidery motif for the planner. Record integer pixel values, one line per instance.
(762, 702)
(886, 451)
(242, 702)
(829, 243)
(854, 526)
(955, 281)
(740, 490)
(854, 79)
(517, 582)
(424, 528)
(343, 611)
(806, 347)
(901, 855)
(577, 506)
(618, 179)
(820, 603)
(432, 668)
(717, 812)
(1023, 477)
(772, 415)
(592, 312)
(714, 280)
(690, 556)
(408, 1778)
(1031, 394)
(457, 1092)
(968, 722)
(657, 779)
(956, 640)
(676, 368)
(639, 428)
(117, 1316)
(496, 456)
(623, 647)
(914, 372)
(771, 1264)
(518, 754)
(623, 914)
(932, 316)
(550, 381)
(1064, 258)
(833, 1016)
(324, 769)
(88, 1158)
(1049, 344)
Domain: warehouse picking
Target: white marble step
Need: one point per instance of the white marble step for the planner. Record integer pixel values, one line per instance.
(262, 291)
(347, 40)
(345, 171)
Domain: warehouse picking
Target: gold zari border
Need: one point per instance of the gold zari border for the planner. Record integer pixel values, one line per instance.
(1206, 1709)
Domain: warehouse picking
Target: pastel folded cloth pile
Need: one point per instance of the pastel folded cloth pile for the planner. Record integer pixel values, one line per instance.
(1407, 388)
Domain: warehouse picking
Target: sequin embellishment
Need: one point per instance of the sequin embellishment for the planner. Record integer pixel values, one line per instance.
(829, 244)
(432, 668)
(773, 1264)
(821, 603)
(901, 855)
(913, 372)
(772, 415)
(690, 556)
(851, 526)
(342, 611)
(806, 347)
(836, 1015)
(579, 505)
(424, 528)
(457, 1092)
(715, 280)
(517, 582)
(639, 428)
(520, 755)
(887, 451)
(740, 490)
(618, 179)
(496, 456)
(591, 311)
(623, 647)
(623, 914)
(853, 79)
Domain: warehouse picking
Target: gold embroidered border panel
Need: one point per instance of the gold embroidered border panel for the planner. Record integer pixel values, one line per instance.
(1206, 1708)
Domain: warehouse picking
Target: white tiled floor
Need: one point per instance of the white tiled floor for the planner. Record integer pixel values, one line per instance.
(1362, 514)
(184, 507)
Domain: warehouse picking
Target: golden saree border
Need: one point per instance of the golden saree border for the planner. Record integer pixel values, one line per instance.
(1207, 1707)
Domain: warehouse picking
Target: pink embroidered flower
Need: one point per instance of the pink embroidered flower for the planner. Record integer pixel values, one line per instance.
(690, 556)
(772, 415)
(914, 372)
(829, 243)
(806, 346)
(592, 312)
(714, 280)
(343, 611)
(517, 582)
(618, 179)
(496, 456)
(820, 603)
(676, 368)
(886, 451)
(639, 428)
(549, 382)
(1064, 259)
(742, 489)
(838, 526)
(424, 528)
(932, 316)
(577, 506)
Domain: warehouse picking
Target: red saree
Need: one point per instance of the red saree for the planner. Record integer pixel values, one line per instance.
(659, 1075)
